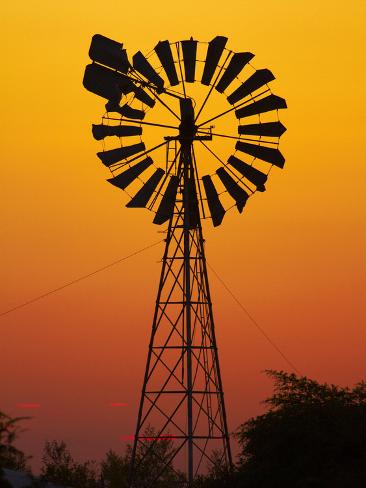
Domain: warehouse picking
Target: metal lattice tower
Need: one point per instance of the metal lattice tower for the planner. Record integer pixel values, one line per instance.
(182, 406)
(182, 395)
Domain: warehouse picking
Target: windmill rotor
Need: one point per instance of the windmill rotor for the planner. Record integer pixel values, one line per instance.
(133, 90)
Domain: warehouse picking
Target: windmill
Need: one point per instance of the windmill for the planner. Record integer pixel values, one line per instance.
(178, 172)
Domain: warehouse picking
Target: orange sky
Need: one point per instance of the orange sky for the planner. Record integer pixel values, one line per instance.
(295, 258)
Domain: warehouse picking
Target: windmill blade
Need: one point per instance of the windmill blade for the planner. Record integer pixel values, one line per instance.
(111, 85)
(167, 204)
(237, 192)
(256, 177)
(266, 104)
(126, 177)
(268, 154)
(214, 52)
(214, 204)
(189, 49)
(105, 82)
(271, 129)
(165, 55)
(108, 52)
(142, 65)
(144, 194)
(101, 131)
(125, 110)
(127, 86)
(115, 155)
(144, 97)
(258, 79)
(131, 113)
(237, 63)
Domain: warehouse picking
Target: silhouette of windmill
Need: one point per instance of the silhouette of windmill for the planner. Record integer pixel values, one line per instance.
(182, 394)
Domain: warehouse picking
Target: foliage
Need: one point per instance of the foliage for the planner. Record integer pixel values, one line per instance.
(152, 460)
(114, 470)
(152, 456)
(219, 475)
(313, 435)
(60, 467)
(10, 456)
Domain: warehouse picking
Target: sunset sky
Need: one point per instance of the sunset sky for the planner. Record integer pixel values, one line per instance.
(295, 258)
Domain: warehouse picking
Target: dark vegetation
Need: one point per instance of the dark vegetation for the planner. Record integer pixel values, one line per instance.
(312, 436)
(10, 456)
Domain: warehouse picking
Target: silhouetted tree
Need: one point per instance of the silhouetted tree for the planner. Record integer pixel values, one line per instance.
(60, 467)
(152, 458)
(219, 476)
(114, 470)
(10, 456)
(313, 435)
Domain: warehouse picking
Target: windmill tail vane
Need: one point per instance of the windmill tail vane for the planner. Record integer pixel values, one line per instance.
(182, 399)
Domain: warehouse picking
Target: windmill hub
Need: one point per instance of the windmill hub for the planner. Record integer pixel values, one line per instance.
(188, 128)
(187, 131)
